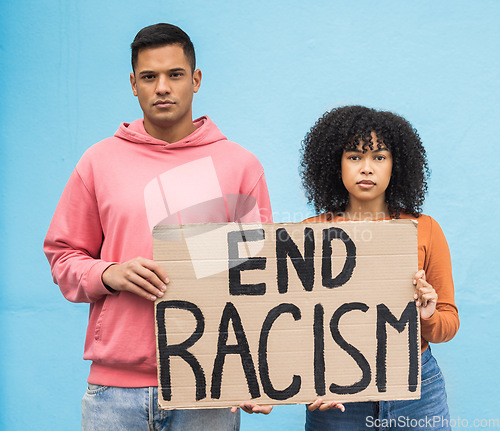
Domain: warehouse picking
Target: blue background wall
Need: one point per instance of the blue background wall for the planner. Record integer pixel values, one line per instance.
(269, 70)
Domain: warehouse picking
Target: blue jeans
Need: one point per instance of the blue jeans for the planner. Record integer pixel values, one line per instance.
(430, 412)
(108, 408)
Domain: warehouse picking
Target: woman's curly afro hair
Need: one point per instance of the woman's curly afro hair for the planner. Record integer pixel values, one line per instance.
(346, 127)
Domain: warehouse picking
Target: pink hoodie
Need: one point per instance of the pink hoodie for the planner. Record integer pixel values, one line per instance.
(119, 190)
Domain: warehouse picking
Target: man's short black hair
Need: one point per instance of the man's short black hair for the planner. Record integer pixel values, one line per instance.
(162, 34)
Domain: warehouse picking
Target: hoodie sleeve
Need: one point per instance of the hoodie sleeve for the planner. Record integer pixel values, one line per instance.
(254, 206)
(73, 244)
(261, 195)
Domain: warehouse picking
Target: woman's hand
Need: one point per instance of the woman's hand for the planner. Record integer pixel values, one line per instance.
(321, 406)
(425, 295)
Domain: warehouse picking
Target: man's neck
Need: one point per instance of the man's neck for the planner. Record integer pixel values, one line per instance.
(170, 134)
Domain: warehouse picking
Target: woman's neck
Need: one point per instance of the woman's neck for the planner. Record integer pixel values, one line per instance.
(365, 211)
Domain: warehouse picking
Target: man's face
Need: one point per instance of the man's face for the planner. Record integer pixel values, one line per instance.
(164, 85)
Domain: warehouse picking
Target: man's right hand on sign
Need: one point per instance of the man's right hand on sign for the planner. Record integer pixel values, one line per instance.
(143, 277)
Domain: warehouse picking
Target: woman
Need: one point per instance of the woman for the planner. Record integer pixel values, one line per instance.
(362, 164)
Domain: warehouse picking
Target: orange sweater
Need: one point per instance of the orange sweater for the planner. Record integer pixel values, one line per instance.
(434, 259)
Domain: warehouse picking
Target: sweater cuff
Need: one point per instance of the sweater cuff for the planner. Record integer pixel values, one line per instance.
(429, 324)
(433, 319)
(95, 284)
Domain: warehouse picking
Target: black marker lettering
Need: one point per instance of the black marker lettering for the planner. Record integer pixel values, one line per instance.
(350, 262)
(303, 265)
(319, 350)
(238, 264)
(294, 387)
(166, 350)
(351, 350)
(409, 316)
(240, 348)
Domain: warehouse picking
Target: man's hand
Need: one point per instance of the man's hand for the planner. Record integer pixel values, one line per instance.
(321, 406)
(143, 277)
(250, 407)
(425, 295)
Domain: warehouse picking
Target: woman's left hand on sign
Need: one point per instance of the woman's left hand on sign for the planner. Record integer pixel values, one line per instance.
(425, 295)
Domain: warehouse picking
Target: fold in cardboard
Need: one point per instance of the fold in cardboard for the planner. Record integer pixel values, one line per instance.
(287, 313)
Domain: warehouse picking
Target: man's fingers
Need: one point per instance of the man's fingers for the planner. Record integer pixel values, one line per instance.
(141, 292)
(265, 409)
(140, 284)
(250, 408)
(247, 407)
(151, 272)
(156, 269)
(140, 276)
(147, 280)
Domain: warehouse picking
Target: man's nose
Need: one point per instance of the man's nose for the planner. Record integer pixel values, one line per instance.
(162, 85)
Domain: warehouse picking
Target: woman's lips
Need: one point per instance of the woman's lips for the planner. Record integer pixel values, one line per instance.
(366, 184)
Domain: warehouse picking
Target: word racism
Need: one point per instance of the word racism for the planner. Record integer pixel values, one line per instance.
(287, 313)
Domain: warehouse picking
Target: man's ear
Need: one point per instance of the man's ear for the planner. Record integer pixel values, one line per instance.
(196, 80)
(133, 83)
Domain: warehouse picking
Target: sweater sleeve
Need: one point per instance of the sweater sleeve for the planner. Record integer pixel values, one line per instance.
(443, 324)
(73, 244)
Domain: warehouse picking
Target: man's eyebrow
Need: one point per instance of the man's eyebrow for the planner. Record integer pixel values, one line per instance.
(173, 70)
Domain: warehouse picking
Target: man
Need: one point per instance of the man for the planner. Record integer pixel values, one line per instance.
(161, 169)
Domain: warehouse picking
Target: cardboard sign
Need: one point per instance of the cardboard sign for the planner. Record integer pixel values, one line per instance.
(287, 313)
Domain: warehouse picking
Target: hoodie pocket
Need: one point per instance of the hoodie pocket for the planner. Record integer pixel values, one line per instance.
(100, 321)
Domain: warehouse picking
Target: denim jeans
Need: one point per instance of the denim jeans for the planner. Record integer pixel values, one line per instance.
(430, 412)
(108, 408)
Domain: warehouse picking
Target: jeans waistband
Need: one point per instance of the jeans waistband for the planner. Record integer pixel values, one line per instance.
(426, 355)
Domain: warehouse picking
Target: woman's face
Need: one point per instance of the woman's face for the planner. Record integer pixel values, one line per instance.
(367, 175)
